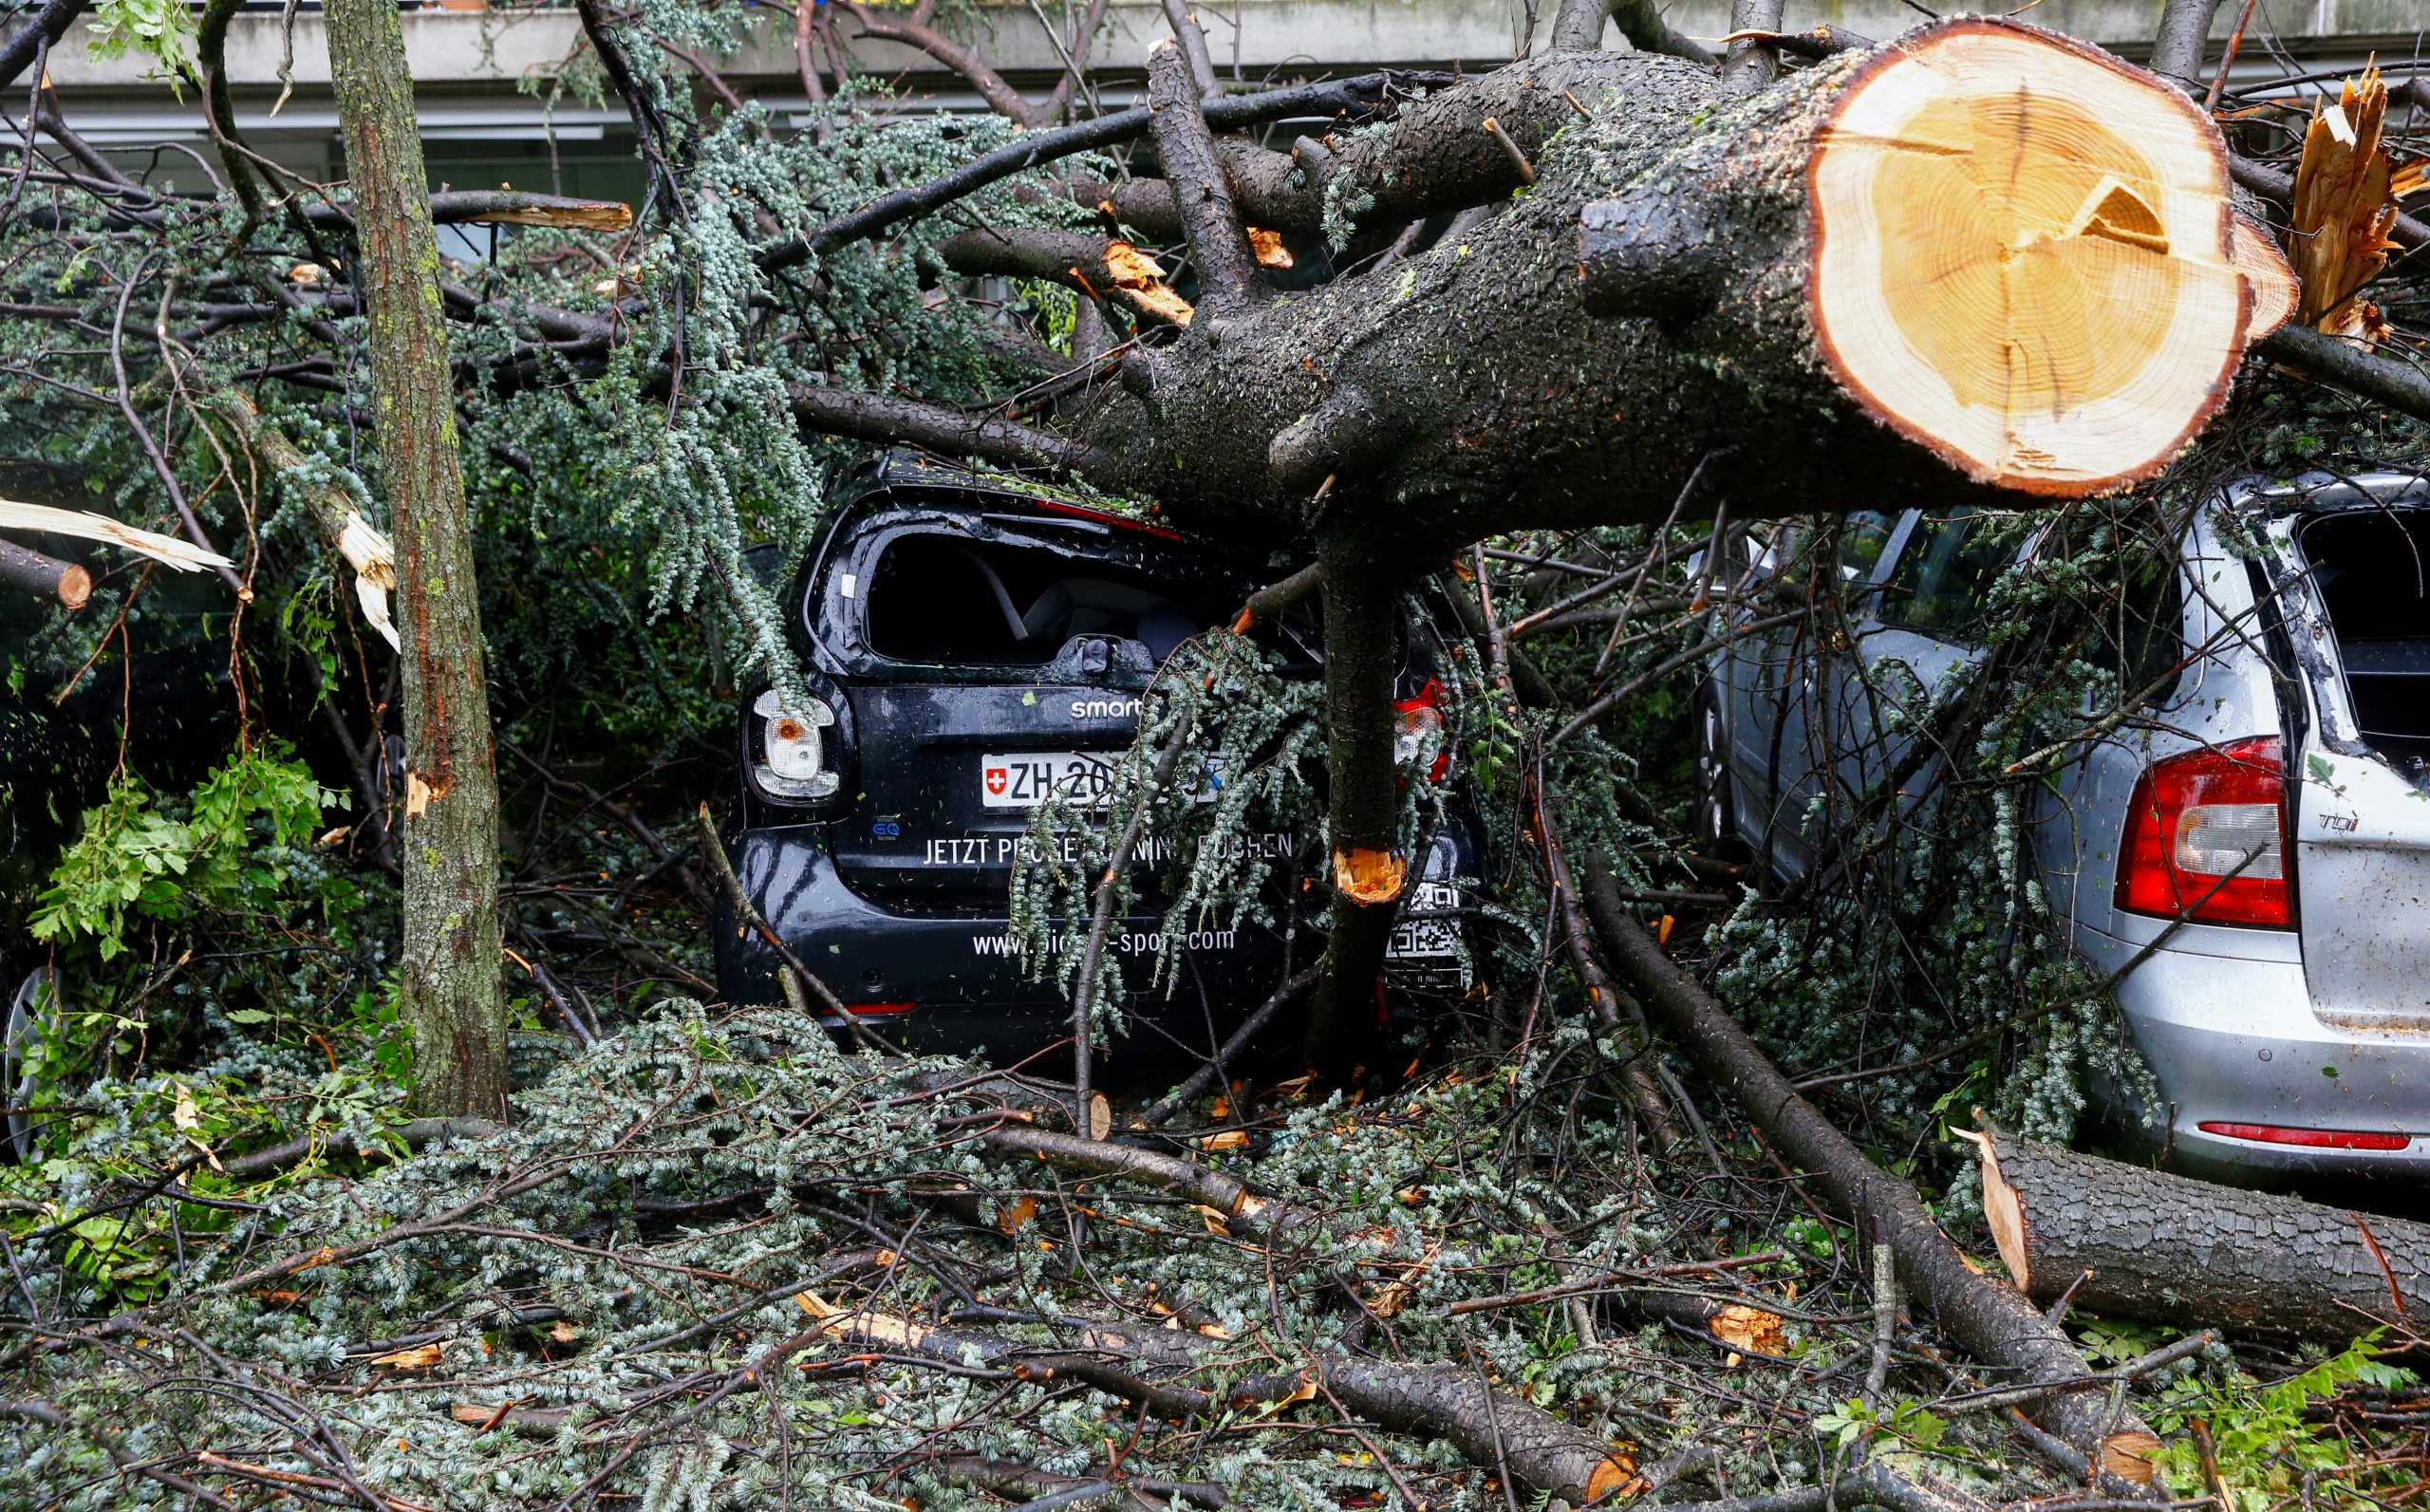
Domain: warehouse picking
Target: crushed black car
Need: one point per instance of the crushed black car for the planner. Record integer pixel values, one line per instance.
(972, 644)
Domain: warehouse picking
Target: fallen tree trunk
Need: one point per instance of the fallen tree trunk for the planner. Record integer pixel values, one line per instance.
(2049, 306)
(2172, 1250)
(1996, 1324)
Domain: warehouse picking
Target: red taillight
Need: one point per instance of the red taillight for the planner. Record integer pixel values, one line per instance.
(2207, 838)
(878, 1010)
(1105, 517)
(2309, 1138)
(1417, 720)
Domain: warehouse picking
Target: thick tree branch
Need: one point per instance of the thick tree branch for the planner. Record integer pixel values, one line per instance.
(38, 35)
(1192, 38)
(29, 571)
(2128, 1242)
(508, 207)
(2396, 381)
(1579, 27)
(1362, 584)
(1438, 156)
(887, 418)
(1219, 245)
(1161, 1367)
(1094, 265)
(1360, 93)
(1750, 63)
(2177, 46)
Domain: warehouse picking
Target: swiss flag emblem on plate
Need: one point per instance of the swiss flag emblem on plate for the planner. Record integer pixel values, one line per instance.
(997, 777)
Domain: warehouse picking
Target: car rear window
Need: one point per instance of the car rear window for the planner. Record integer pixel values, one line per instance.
(951, 600)
(2372, 570)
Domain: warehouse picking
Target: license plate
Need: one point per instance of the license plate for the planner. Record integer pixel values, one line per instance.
(1422, 938)
(1027, 778)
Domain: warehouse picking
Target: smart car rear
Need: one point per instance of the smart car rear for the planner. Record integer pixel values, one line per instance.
(972, 646)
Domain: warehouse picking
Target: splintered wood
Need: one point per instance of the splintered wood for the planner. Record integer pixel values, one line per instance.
(1140, 282)
(2022, 257)
(2345, 203)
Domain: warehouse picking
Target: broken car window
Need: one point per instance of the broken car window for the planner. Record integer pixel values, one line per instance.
(958, 601)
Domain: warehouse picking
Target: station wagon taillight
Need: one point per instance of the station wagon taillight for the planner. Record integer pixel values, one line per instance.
(2206, 838)
(2309, 1138)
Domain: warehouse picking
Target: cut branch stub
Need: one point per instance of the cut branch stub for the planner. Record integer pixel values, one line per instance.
(2022, 256)
(22, 567)
(1372, 877)
(1651, 254)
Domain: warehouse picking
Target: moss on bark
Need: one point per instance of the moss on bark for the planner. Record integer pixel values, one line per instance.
(452, 993)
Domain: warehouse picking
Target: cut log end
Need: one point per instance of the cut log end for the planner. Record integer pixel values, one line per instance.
(1616, 1477)
(2022, 256)
(2130, 1456)
(1371, 877)
(1750, 1329)
(75, 587)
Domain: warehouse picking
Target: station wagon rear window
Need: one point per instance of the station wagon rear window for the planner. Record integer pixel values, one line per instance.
(952, 600)
(2372, 570)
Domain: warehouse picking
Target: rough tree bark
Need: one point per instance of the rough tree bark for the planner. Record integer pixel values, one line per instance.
(2177, 46)
(1362, 594)
(451, 989)
(2173, 1250)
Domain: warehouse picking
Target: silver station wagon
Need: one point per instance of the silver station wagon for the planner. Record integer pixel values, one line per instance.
(2248, 857)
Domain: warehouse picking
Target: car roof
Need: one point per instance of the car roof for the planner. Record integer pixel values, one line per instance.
(904, 474)
(2326, 491)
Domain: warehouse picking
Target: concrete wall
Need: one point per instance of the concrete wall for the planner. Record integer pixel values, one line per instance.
(466, 64)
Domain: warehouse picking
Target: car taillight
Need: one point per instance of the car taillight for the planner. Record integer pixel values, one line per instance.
(2309, 1138)
(1418, 723)
(1121, 522)
(2207, 838)
(792, 761)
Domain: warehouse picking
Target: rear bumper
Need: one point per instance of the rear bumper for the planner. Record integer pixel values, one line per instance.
(2236, 1041)
(967, 985)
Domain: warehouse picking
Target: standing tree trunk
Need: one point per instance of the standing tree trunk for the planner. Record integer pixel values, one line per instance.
(1362, 597)
(451, 992)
